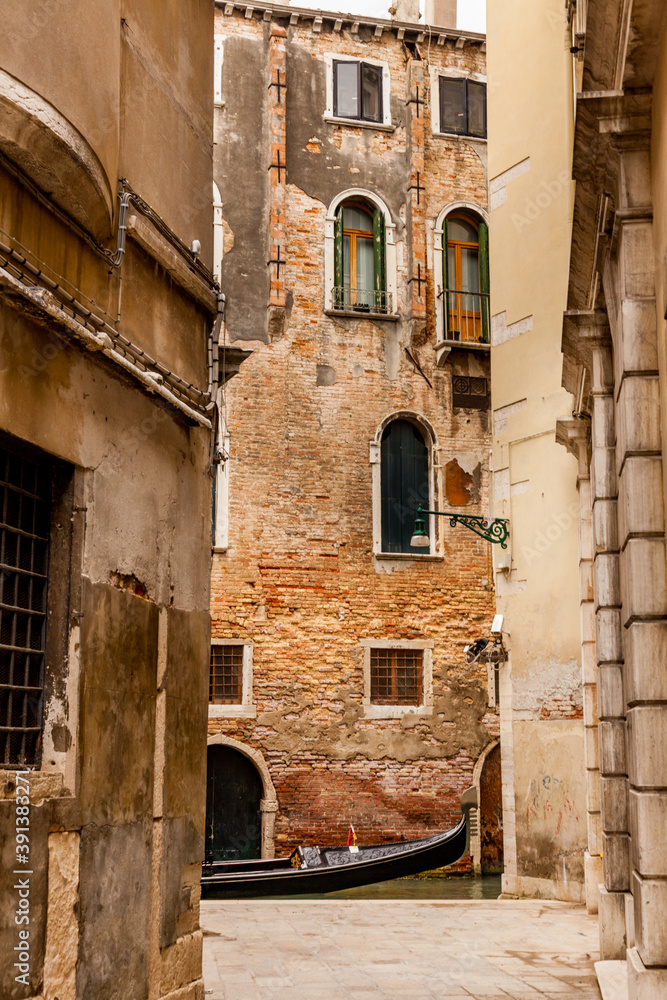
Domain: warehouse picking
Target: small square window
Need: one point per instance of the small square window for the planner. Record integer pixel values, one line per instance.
(397, 676)
(463, 107)
(357, 91)
(226, 679)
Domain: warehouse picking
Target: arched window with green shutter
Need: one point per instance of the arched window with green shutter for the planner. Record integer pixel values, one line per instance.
(465, 277)
(404, 483)
(360, 274)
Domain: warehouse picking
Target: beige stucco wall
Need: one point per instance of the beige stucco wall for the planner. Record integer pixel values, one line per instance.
(534, 483)
(658, 169)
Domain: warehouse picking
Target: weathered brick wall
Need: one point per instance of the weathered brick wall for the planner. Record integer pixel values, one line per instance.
(299, 579)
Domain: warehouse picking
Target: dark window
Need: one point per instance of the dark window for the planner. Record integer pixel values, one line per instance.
(465, 266)
(404, 483)
(226, 680)
(359, 259)
(396, 676)
(25, 496)
(357, 91)
(463, 107)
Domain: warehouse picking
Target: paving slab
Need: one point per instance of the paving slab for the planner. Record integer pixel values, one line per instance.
(372, 949)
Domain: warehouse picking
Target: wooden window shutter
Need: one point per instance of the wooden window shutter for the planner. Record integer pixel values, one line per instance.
(404, 483)
(379, 273)
(484, 283)
(338, 251)
(445, 280)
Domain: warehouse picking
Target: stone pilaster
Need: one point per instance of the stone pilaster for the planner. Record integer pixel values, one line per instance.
(641, 524)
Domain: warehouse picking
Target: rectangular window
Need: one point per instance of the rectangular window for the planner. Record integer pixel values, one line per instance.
(397, 676)
(25, 518)
(226, 679)
(357, 91)
(463, 107)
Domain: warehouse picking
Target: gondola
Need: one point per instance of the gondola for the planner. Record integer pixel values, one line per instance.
(327, 869)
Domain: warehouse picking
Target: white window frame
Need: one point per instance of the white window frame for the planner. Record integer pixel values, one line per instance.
(389, 248)
(457, 74)
(218, 233)
(434, 485)
(329, 59)
(246, 709)
(454, 206)
(221, 526)
(218, 57)
(372, 711)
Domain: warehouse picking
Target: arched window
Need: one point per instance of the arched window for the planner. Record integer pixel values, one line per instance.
(465, 265)
(360, 278)
(404, 483)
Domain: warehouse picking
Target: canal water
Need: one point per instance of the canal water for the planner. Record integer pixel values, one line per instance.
(456, 887)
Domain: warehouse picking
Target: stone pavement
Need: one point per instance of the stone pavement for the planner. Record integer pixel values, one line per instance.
(398, 950)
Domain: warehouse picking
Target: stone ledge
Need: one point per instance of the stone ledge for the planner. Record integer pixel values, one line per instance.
(612, 980)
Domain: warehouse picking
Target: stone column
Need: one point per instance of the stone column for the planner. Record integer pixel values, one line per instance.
(610, 708)
(643, 579)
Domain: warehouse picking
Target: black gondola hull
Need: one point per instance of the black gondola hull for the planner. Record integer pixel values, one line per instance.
(340, 869)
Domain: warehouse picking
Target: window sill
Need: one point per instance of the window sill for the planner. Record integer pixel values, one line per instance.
(359, 123)
(401, 556)
(219, 548)
(359, 314)
(457, 135)
(232, 711)
(395, 711)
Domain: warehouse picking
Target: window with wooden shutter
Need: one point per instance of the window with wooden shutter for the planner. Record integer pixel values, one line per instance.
(404, 483)
(360, 281)
(465, 269)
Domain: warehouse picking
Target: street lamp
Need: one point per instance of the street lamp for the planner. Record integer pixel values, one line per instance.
(495, 531)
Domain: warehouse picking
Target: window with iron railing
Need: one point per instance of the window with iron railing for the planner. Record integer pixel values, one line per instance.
(226, 677)
(465, 265)
(25, 512)
(360, 282)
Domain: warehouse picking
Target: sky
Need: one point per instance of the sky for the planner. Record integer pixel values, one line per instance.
(471, 13)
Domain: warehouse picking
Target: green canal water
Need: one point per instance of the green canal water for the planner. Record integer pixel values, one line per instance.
(456, 887)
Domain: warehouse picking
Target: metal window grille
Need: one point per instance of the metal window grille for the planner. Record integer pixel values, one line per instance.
(467, 316)
(397, 676)
(226, 678)
(25, 516)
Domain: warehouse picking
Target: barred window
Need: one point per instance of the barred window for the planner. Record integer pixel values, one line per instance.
(226, 679)
(25, 514)
(397, 676)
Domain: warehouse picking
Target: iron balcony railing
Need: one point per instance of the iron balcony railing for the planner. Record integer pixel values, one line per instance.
(467, 316)
(361, 300)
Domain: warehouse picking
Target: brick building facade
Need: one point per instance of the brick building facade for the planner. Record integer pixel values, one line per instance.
(340, 692)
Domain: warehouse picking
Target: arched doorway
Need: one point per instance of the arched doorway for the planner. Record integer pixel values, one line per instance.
(491, 814)
(233, 805)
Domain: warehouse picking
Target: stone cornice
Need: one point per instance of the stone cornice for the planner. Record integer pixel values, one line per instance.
(337, 21)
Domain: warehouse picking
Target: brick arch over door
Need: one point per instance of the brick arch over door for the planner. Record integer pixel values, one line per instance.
(269, 801)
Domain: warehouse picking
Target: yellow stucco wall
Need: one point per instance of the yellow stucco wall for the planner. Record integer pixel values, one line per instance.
(531, 194)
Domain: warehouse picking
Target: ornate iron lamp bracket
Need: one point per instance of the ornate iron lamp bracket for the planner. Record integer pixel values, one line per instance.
(495, 531)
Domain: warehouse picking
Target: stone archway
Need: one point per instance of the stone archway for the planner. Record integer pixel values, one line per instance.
(269, 803)
(486, 835)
